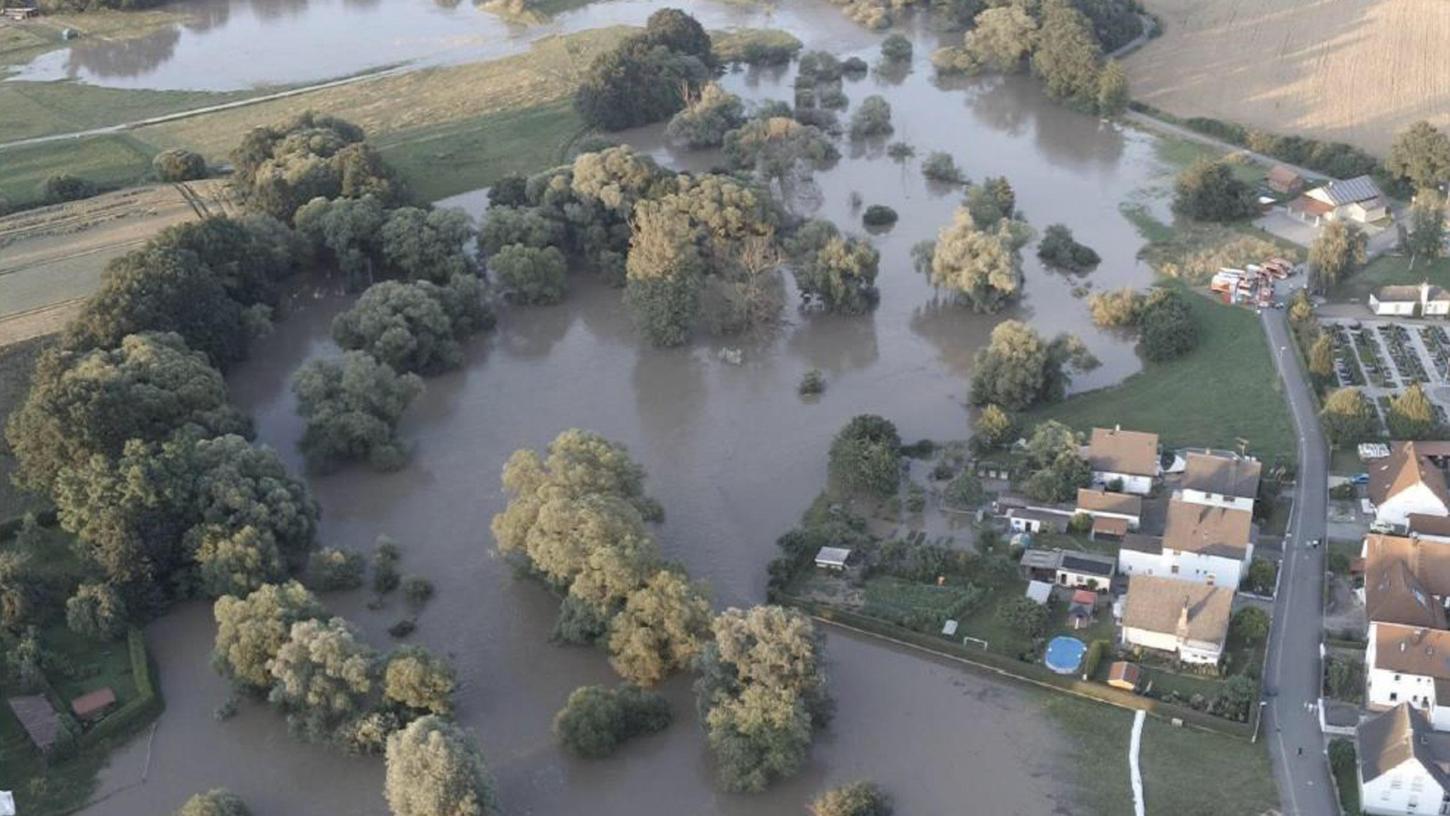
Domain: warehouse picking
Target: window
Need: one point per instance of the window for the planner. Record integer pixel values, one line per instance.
(1173, 569)
(1394, 695)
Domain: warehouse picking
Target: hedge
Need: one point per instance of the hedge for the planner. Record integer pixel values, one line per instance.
(139, 711)
(1033, 673)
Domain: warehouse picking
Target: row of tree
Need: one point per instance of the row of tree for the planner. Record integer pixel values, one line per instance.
(576, 519)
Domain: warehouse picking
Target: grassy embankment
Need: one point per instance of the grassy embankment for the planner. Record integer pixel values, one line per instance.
(1388, 270)
(1183, 768)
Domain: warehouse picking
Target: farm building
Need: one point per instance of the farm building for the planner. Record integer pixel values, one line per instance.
(1410, 301)
(1282, 180)
(1358, 199)
(1183, 617)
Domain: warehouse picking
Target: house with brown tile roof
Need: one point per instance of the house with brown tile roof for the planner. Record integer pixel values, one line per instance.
(1183, 617)
(1101, 504)
(1403, 766)
(1204, 543)
(1409, 664)
(1406, 580)
(1407, 482)
(1220, 480)
(1127, 456)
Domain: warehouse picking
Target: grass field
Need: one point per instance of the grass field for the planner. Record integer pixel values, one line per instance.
(1224, 389)
(1391, 269)
(1353, 72)
(109, 161)
(31, 109)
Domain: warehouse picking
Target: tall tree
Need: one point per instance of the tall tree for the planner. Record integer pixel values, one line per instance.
(1427, 225)
(1349, 417)
(1209, 191)
(982, 267)
(1002, 38)
(352, 407)
(435, 769)
(323, 678)
(1020, 368)
(1113, 96)
(1338, 251)
(1421, 154)
(1067, 54)
(1411, 415)
(251, 630)
(660, 630)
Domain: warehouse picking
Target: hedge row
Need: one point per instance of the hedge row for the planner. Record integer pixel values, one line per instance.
(1016, 669)
(146, 705)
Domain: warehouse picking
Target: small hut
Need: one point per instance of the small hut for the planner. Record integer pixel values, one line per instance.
(39, 720)
(1124, 675)
(93, 705)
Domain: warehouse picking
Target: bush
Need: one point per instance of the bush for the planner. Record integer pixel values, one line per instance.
(1209, 191)
(596, 720)
(179, 165)
(1168, 327)
(1024, 615)
(856, 799)
(865, 457)
(872, 118)
(417, 591)
(1058, 248)
(879, 215)
(854, 66)
(96, 611)
(215, 802)
(385, 566)
(896, 48)
(1094, 658)
(940, 166)
(531, 275)
(1250, 624)
(63, 187)
(648, 76)
(1262, 576)
(330, 569)
(813, 383)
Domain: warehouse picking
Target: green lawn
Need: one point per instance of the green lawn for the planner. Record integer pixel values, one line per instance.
(456, 157)
(109, 161)
(1223, 390)
(1387, 270)
(896, 599)
(31, 109)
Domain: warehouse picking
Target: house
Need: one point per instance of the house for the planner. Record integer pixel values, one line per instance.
(1284, 181)
(1035, 520)
(1409, 664)
(832, 558)
(1124, 675)
(1185, 618)
(1357, 199)
(1130, 457)
(19, 12)
(1429, 528)
(1087, 570)
(37, 718)
(1407, 482)
(1402, 764)
(1101, 504)
(93, 705)
(1216, 480)
(1406, 580)
(1203, 543)
(1410, 301)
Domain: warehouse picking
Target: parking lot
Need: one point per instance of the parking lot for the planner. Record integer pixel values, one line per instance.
(1384, 357)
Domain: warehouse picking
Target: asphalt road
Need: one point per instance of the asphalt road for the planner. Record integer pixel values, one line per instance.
(1290, 724)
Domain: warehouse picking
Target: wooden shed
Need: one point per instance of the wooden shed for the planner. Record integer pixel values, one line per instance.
(1124, 675)
(93, 705)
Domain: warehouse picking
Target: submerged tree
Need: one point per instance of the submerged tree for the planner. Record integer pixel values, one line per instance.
(1020, 368)
(865, 457)
(352, 407)
(435, 769)
(414, 327)
(982, 268)
(251, 630)
(839, 272)
(597, 720)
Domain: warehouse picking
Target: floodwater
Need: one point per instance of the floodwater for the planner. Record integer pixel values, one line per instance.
(734, 455)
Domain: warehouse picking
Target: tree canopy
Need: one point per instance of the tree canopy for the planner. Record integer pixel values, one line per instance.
(649, 75)
(215, 802)
(435, 769)
(280, 167)
(352, 406)
(597, 720)
(1020, 368)
(982, 267)
(1208, 191)
(860, 798)
(865, 457)
(1349, 417)
(1421, 155)
(1337, 252)
(838, 272)
(414, 327)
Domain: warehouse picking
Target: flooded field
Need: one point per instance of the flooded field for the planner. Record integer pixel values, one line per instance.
(733, 454)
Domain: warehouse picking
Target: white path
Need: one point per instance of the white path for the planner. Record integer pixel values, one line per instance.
(1137, 772)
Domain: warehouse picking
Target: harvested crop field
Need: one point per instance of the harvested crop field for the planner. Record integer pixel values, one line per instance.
(1355, 71)
(51, 258)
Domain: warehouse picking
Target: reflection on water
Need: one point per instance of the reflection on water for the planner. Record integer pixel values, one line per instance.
(734, 455)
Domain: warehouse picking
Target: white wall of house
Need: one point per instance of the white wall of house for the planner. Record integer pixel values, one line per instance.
(1197, 651)
(1398, 308)
(1216, 500)
(1079, 579)
(1133, 562)
(1024, 525)
(1214, 570)
(1189, 652)
(1386, 689)
(1406, 789)
(1132, 520)
(1437, 308)
(1138, 485)
(1416, 499)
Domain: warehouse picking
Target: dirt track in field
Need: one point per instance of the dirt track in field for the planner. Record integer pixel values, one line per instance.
(1356, 71)
(52, 258)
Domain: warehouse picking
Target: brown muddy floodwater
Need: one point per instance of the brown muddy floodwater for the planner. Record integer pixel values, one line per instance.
(733, 454)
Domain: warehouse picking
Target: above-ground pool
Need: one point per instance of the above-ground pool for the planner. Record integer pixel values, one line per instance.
(1064, 654)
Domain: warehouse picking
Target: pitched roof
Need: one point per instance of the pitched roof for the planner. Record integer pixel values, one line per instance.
(1200, 528)
(1282, 174)
(37, 718)
(1390, 739)
(1405, 467)
(1348, 191)
(1113, 450)
(1222, 475)
(1101, 501)
(1429, 525)
(1411, 649)
(1156, 604)
(1140, 542)
(1399, 293)
(92, 703)
(1088, 563)
(1110, 525)
(1405, 580)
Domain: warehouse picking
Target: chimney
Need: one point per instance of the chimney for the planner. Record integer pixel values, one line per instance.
(1182, 629)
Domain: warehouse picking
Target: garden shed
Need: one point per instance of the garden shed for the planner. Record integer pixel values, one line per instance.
(833, 558)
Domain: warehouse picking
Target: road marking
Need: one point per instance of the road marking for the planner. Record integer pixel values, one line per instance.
(1137, 772)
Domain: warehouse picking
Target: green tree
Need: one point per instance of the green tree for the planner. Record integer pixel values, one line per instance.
(872, 118)
(280, 167)
(779, 148)
(531, 275)
(1251, 624)
(1321, 358)
(82, 404)
(96, 611)
(1236, 696)
(707, 118)
(840, 272)
(1113, 95)
(1209, 191)
(941, 167)
(346, 231)
(1420, 154)
(860, 798)
(1117, 308)
(1337, 252)
(331, 569)
(435, 769)
(179, 165)
(1349, 417)
(62, 187)
(417, 679)
(1057, 248)
(323, 677)
(506, 225)
(1427, 225)
(993, 426)
(865, 457)
(1411, 415)
(660, 630)
(597, 720)
(1020, 368)
(215, 802)
(250, 255)
(251, 630)
(1002, 38)
(352, 407)
(895, 48)
(1024, 615)
(991, 201)
(413, 327)
(638, 82)
(1067, 55)
(1262, 576)
(427, 244)
(1169, 329)
(981, 267)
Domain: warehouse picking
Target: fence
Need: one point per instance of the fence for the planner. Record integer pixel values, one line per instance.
(142, 709)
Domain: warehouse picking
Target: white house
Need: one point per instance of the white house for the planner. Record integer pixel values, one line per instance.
(1406, 482)
(1100, 504)
(1036, 519)
(1406, 580)
(1127, 456)
(1357, 199)
(1202, 543)
(1084, 569)
(1215, 480)
(1402, 764)
(1409, 301)
(1409, 664)
(1185, 618)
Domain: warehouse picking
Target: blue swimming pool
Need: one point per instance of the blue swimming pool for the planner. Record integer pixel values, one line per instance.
(1064, 654)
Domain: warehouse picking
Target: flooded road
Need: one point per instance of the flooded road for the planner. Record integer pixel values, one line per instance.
(734, 455)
